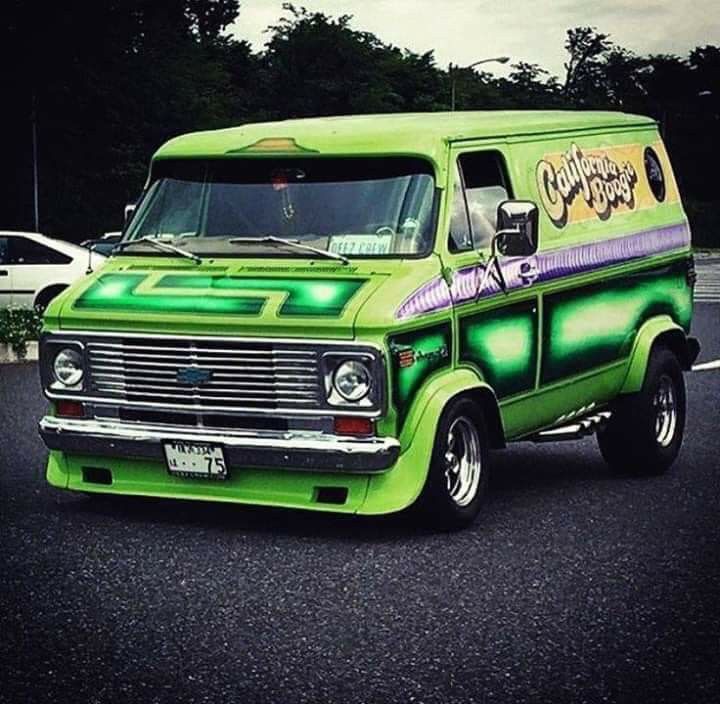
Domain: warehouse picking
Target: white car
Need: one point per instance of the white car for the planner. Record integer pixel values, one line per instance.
(35, 268)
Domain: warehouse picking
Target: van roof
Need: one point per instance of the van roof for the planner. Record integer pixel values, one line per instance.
(396, 133)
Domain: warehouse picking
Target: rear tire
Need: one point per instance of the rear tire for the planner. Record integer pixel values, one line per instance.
(458, 475)
(646, 428)
(43, 299)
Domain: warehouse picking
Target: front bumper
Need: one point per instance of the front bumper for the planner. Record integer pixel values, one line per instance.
(294, 450)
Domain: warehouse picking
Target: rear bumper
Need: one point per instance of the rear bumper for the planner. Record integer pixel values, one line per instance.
(293, 450)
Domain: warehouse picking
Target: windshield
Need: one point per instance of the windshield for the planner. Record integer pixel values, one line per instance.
(352, 206)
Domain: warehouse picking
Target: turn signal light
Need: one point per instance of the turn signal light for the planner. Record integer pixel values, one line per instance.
(348, 425)
(70, 409)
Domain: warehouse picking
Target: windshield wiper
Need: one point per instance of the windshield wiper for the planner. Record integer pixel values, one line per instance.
(270, 239)
(158, 244)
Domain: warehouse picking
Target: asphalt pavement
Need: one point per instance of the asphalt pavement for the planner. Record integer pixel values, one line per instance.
(575, 585)
(707, 288)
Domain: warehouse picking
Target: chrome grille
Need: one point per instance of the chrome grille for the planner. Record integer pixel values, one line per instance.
(248, 375)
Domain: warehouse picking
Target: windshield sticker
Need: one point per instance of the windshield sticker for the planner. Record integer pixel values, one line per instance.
(358, 245)
(587, 184)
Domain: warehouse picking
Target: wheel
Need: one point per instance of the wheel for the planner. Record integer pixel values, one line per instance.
(458, 474)
(42, 300)
(645, 431)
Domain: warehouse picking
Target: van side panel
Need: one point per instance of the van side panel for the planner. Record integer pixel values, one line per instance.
(596, 324)
(502, 343)
(614, 252)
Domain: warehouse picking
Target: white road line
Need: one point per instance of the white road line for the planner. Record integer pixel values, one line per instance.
(706, 366)
(707, 287)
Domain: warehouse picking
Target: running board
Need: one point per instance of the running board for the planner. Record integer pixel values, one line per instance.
(574, 431)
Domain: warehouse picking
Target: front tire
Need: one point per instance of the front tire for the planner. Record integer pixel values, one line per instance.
(646, 428)
(458, 475)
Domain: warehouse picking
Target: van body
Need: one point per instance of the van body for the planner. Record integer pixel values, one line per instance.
(346, 313)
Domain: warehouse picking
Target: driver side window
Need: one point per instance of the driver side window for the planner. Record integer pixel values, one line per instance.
(481, 185)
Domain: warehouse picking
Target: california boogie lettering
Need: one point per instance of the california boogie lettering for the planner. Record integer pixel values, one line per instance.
(604, 184)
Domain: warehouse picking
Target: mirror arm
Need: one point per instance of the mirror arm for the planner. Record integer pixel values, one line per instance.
(493, 268)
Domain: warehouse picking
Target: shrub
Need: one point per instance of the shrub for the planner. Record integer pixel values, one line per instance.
(18, 326)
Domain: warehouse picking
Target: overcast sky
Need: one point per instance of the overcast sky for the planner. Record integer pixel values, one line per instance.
(463, 31)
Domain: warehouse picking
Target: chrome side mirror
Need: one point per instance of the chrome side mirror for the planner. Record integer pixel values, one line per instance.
(517, 233)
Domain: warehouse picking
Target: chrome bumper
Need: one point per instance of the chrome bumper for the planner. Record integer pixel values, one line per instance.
(295, 450)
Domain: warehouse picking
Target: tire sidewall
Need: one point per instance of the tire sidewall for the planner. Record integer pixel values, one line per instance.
(663, 363)
(629, 444)
(435, 501)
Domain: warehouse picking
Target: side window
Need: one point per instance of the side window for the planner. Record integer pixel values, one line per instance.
(3, 250)
(460, 239)
(25, 251)
(486, 186)
(654, 173)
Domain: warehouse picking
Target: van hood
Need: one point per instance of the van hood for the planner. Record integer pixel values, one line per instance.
(250, 297)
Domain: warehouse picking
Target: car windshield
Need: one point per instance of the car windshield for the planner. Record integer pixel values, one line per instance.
(357, 207)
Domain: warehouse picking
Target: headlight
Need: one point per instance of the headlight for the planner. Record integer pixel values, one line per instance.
(68, 367)
(352, 380)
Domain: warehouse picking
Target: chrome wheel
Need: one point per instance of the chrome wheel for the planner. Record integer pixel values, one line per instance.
(463, 461)
(666, 414)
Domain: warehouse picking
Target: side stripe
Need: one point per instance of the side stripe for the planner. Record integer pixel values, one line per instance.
(554, 264)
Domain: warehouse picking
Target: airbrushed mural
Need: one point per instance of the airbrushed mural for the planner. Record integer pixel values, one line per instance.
(559, 329)
(583, 184)
(219, 295)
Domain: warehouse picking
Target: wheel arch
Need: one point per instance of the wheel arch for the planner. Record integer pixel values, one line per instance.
(660, 330)
(399, 488)
(484, 396)
(434, 397)
(47, 293)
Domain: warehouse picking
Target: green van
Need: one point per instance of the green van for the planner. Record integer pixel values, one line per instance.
(348, 313)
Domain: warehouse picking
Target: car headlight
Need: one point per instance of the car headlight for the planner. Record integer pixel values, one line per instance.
(68, 367)
(352, 380)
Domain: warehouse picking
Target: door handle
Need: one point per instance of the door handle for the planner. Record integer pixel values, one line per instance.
(528, 272)
(3, 272)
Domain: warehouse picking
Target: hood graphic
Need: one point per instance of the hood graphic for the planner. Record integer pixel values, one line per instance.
(175, 293)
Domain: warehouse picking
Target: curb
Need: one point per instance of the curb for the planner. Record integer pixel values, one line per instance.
(7, 356)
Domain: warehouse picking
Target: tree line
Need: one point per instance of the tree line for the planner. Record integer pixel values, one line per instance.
(103, 85)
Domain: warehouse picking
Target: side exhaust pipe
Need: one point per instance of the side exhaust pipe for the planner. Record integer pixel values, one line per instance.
(574, 431)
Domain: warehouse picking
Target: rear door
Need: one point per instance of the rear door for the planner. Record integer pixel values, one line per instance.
(33, 266)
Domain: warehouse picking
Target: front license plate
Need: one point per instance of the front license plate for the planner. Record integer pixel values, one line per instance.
(195, 460)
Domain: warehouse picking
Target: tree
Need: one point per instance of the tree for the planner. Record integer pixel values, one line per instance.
(319, 65)
(586, 47)
(116, 79)
(534, 86)
(113, 81)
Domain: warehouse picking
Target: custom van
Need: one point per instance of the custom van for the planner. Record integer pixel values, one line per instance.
(348, 313)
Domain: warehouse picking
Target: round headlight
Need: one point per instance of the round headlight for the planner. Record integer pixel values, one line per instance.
(68, 367)
(352, 380)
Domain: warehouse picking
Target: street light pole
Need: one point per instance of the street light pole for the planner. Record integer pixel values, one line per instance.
(36, 199)
(453, 69)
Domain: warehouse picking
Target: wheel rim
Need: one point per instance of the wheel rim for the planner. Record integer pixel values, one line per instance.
(463, 463)
(666, 414)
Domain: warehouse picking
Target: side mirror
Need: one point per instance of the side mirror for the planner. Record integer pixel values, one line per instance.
(517, 233)
(129, 212)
